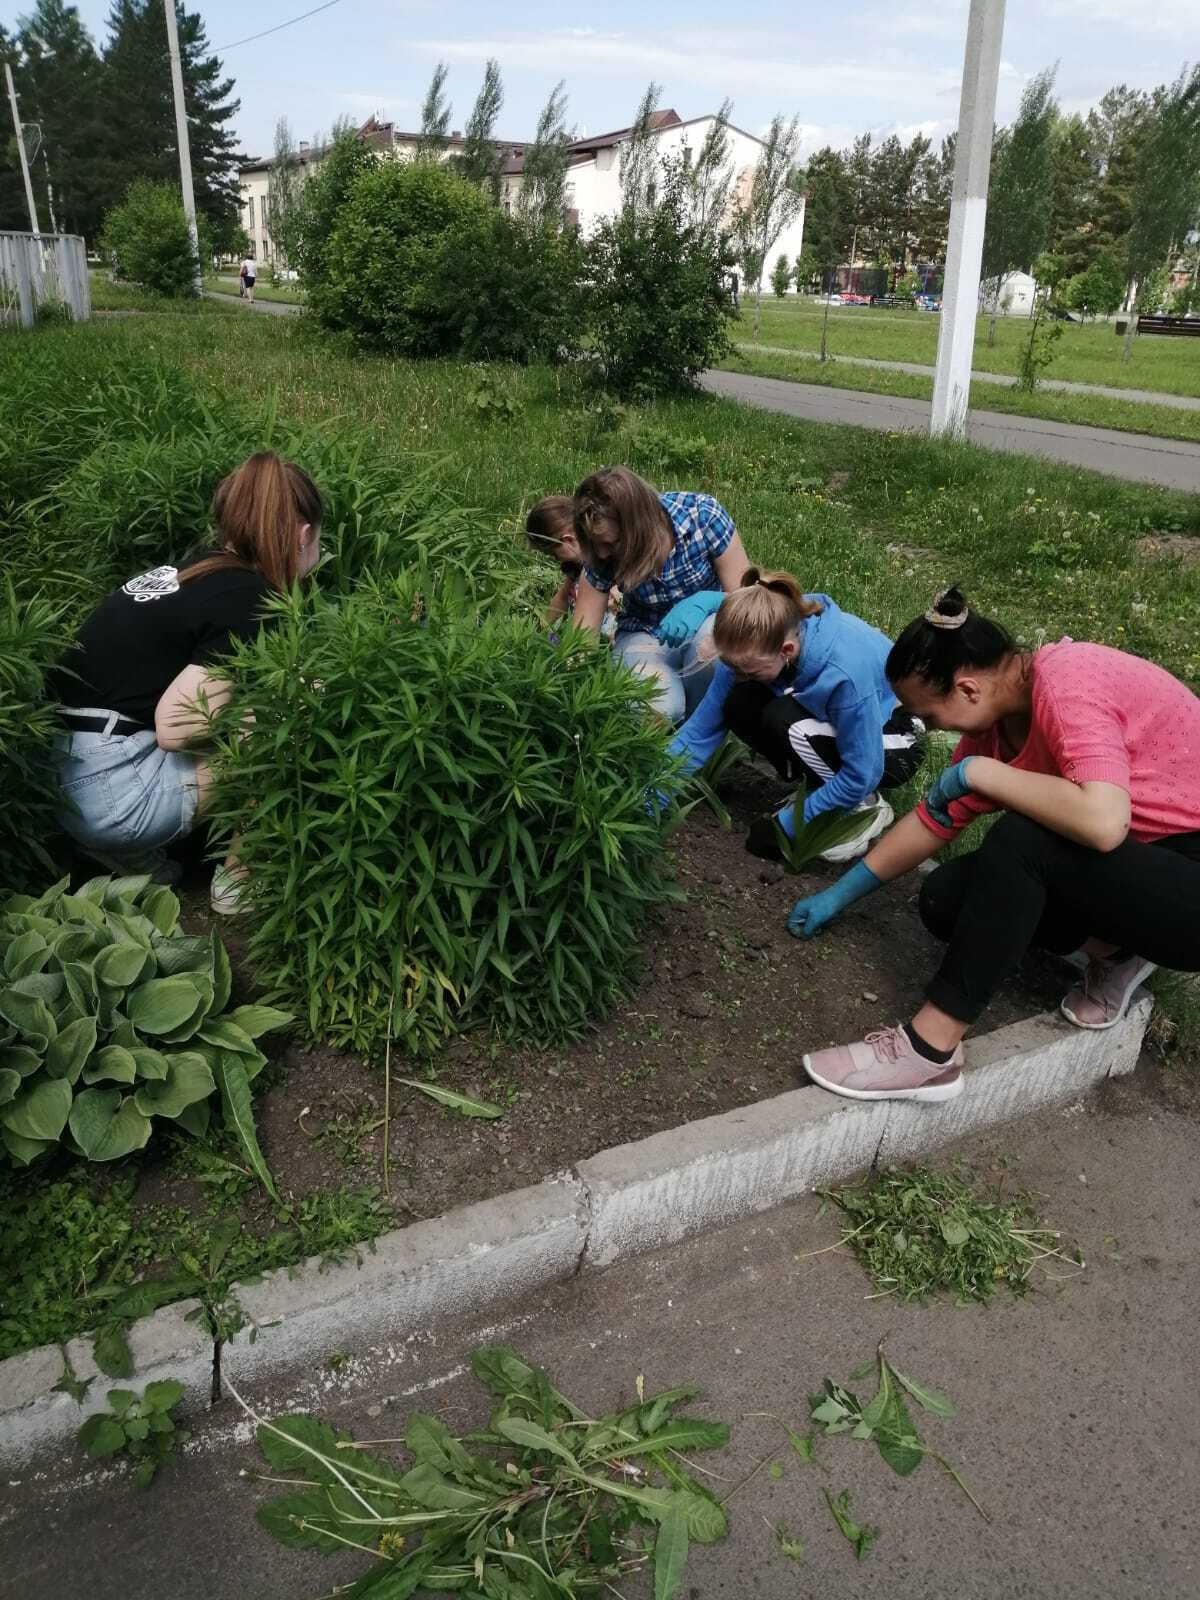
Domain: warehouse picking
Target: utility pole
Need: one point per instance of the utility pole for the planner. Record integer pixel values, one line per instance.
(34, 226)
(185, 149)
(968, 216)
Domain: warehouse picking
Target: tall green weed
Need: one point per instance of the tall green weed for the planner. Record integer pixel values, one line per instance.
(31, 636)
(444, 817)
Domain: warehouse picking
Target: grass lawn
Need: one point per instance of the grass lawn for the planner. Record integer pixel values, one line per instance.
(877, 520)
(110, 296)
(227, 283)
(1084, 354)
(1099, 411)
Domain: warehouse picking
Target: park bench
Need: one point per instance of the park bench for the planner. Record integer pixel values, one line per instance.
(1185, 325)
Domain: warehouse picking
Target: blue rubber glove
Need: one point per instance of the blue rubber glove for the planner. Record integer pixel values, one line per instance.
(951, 784)
(787, 820)
(811, 915)
(657, 804)
(686, 616)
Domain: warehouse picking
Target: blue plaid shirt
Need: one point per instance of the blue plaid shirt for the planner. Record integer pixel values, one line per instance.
(704, 530)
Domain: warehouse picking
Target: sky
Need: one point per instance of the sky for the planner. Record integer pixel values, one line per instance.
(887, 66)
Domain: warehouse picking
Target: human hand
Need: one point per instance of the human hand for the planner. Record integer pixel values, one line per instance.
(686, 616)
(951, 784)
(809, 916)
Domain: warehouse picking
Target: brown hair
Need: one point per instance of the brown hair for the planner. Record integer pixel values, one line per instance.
(757, 618)
(257, 509)
(617, 502)
(548, 521)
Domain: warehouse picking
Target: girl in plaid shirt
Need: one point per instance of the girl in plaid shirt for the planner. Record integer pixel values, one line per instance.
(675, 556)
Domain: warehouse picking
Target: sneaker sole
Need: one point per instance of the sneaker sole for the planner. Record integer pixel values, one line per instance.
(1143, 973)
(857, 847)
(931, 1092)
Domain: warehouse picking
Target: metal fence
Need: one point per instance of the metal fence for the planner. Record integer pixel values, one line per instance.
(43, 271)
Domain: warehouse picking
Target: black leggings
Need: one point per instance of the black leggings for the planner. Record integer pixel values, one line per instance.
(1027, 887)
(802, 748)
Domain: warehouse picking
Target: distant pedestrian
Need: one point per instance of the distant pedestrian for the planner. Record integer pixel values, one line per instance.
(249, 272)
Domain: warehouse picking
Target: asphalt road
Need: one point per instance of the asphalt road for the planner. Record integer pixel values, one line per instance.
(1142, 458)
(1078, 1424)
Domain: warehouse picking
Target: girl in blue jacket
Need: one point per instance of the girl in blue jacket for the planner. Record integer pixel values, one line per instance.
(803, 683)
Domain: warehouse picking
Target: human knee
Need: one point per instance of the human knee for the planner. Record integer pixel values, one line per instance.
(941, 898)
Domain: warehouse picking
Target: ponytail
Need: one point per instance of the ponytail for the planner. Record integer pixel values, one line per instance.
(948, 639)
(758, 617)
(258, 509)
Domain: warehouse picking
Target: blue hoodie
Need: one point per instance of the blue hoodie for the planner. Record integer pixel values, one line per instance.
(839, 678)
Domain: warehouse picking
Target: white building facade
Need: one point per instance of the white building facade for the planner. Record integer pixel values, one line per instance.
(593, 176)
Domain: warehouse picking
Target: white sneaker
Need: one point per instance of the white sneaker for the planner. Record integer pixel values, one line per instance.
(878, 817)
(228, 896)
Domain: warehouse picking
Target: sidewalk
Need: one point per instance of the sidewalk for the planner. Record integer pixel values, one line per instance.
(1181, 402)
(1141, 458)
(1078, 1421)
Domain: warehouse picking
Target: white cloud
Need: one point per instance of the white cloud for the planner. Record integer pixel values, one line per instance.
(715, 62)
(1174, 19)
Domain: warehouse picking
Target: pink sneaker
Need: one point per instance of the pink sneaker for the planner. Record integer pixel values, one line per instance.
(1103, 997)
(884, 1066)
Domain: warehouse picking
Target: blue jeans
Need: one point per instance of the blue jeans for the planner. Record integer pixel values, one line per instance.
(683, 672)
(123, 794)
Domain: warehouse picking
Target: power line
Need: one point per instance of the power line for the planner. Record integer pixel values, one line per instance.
(278, 28)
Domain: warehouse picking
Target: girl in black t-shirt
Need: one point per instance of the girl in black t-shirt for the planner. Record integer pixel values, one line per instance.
(135, 685)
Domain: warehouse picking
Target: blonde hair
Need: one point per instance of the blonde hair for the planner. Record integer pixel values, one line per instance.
(757, 618)
(615, 501)
(256, 510)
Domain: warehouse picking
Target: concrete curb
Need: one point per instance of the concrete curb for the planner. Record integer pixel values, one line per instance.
(623, 1201)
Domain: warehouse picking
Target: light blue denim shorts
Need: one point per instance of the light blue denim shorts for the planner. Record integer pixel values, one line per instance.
(123, 792)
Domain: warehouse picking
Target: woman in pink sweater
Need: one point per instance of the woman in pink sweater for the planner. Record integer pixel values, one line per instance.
(1094, 756)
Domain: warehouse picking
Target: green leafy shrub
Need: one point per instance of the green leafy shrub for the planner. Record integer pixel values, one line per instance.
(31, 637)
(318, 207)
(443, 815)
(660, 452)
(518, 294)
(135, 503)
(140, 1426)
(659, 307)
(544, 1502)
(399, 231)
(146, 238)
(110, 1017)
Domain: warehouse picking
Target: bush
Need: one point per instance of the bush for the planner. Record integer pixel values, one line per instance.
(146, 238)
(444, 817)
(110, 1018)
(31, 637)
(659, 304)
(519, 297)
(318, 208)
(403, 228)
(781, 276)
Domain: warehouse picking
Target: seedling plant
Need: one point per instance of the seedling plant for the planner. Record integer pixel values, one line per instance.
(138, 1426)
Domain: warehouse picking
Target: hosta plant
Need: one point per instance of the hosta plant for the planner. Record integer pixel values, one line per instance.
(112, 1019)
(444, 817)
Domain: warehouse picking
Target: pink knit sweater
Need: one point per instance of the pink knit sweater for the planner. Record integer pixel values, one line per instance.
(1101, 716)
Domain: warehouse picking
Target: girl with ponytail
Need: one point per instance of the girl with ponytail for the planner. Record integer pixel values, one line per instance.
(138, 685)
(1093, 756)
(802, 682)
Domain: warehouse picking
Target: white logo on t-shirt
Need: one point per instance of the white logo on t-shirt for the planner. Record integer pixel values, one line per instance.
(152, 585)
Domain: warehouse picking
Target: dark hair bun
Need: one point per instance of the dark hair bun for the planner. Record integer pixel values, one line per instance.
(950, 602)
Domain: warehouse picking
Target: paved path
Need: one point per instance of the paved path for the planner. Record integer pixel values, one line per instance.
(1078, 1419)
(1142, 458)
(277, 308)
(1181, 402)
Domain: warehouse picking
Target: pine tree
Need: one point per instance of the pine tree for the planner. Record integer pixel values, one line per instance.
(435, 117)
(544, 174)
(827, 218)
(1072, 230)
(138, 136)
(481, 157)
(59, 86)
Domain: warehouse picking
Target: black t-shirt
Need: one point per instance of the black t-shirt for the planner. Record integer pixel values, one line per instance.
(138, 641)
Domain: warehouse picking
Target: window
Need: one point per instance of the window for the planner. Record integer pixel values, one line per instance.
(250, 203)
